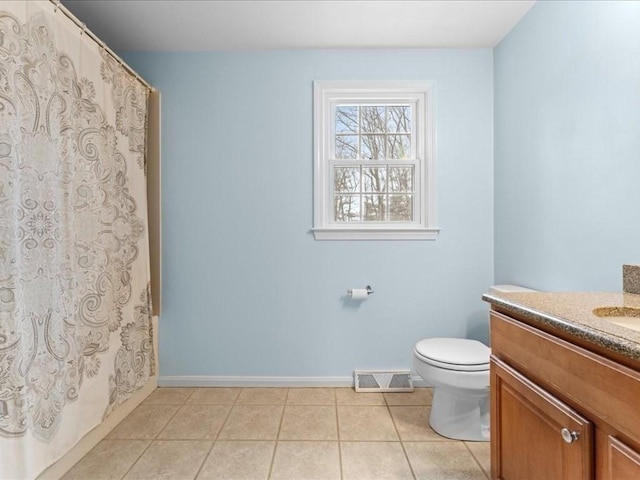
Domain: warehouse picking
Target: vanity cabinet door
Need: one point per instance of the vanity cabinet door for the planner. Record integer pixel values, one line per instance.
(535, 435)
(622, 461)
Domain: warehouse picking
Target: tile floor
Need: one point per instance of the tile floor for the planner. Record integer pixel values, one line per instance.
(280, 433)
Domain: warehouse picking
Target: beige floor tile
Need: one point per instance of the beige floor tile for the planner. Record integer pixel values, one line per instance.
(214, 396)
(482, 452)
(311, 396)
(196, 422)
(443, 461)
(306, 460)
(246, 445)
(252, 422)
(348, 396)
(169, 396)
(374, 460)
(309, 422)
(262, 396)
(170, 460)
(109, 460)
(419, 396)
(413, 424)
(365, 423)
(238, 460)
(145, 422)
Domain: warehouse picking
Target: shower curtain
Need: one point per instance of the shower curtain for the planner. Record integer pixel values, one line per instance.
(75, 308)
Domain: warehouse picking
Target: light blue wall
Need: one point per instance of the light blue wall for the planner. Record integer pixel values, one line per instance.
(247, 290)
(567, 146)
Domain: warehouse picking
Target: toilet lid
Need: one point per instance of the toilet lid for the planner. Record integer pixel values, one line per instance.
(454, 353)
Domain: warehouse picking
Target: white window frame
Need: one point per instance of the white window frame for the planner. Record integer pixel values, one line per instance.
(328, 94)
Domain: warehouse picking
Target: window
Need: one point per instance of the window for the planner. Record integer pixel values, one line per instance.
(374, 168)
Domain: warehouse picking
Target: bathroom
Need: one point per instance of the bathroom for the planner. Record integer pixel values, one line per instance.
(536, 169)
(237, 218)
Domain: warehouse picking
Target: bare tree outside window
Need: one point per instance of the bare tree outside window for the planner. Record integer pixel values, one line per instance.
(375, 186)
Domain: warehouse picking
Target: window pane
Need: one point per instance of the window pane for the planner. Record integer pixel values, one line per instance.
(399, 119)
(401, 179)
(347, 208)
(346, 179)
(347, 119)
(373, 147)
(401, 208)
(374, 179)
(372, 119)
(347, 146)
(399, 146)
(373, 208)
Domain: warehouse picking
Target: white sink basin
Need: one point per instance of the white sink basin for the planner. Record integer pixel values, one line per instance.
(628, 317)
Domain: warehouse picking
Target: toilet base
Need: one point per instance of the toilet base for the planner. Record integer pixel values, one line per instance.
(460, 417)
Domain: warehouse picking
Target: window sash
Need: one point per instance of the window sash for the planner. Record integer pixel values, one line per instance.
(382, 101)
(414, 192)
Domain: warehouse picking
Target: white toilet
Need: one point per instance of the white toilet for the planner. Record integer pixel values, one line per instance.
(458, 369)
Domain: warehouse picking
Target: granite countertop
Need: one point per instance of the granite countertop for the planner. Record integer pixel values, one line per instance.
(572, 312)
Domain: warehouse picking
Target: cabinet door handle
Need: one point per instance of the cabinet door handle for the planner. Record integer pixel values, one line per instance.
(568, 436)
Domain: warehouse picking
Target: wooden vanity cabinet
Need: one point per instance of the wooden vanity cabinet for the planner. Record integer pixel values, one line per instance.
(535, 439)
(558, 410)
(620, 460)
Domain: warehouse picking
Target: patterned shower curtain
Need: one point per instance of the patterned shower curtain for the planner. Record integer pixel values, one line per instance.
(75, 312)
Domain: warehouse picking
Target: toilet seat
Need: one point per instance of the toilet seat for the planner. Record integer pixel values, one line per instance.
(459, 354)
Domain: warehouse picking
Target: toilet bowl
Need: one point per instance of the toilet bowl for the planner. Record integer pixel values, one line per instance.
(458, 369)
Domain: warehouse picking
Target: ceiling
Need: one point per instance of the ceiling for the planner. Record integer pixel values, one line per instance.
(188, 25)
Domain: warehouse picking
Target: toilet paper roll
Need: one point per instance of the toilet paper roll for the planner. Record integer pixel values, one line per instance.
(359, 293)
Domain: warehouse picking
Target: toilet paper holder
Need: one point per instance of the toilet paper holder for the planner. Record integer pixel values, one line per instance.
(367, 288)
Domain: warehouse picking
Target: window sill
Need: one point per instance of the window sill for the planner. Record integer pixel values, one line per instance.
(430, 233)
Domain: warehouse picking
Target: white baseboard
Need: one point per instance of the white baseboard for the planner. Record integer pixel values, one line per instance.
(245, 381)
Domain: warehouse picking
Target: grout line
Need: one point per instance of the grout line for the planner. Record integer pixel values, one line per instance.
(215, 439)
(275, 448)
(204, 460)
(141, 453)
(134, 462)
(486, 474)
(406, 456)
(231, 407)
(335, 398)
(150, 440)
(180, 407)
(193, 390)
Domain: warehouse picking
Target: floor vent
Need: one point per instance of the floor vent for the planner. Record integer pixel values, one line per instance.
(383, 381)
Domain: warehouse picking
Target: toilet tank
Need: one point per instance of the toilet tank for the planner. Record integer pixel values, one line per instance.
(509, 289)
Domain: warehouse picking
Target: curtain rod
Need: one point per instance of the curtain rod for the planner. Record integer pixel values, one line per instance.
(94, 37)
